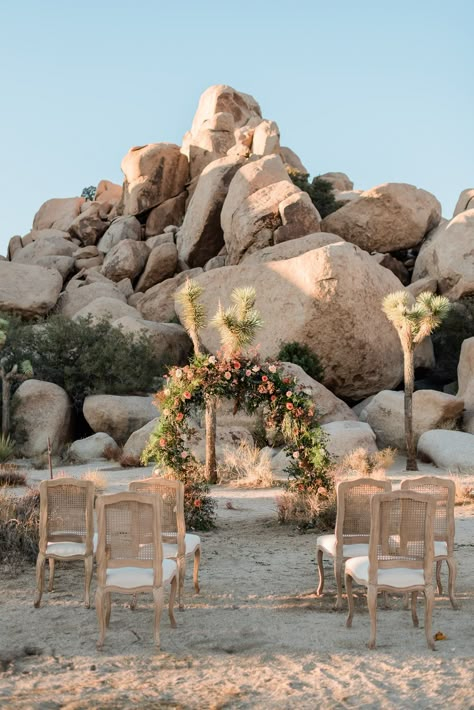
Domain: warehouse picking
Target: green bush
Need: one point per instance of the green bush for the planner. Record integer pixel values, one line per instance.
(7, 448)
(320, 191)
(303, 356)
(447, 340)
(84, 356)
(89, 193)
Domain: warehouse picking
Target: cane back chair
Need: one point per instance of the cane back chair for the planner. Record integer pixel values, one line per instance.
(400, 558)
(351, 538)
(177, 543)
(444, 491)
(66, 529)
(129, 555)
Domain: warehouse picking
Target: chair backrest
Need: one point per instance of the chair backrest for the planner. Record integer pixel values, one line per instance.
(173, 526)
(444, 491)
(66, 512)
(353, 509)
(401, 532)
(129, 533)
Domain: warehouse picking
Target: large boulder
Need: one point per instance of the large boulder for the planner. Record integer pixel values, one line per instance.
(108, 192)
(169, 212)
(331, 300)
(171, 344)
(73, 300)
(41, 410)
(121, 228)
(431, 410)
(90, 225)
(58, 213)
(157, 303)
(292, 161)
(448, 256)
(466, 382)
(137, 441)
(449, 450)
(28, 290)
(386, 218)
(266, 138)
(465, 201)
(93, 447)
(110, 308)
(161, 264)
(329, 407)
(298, 217)
(153, 173)
(290, 249)
(46, 246)
(339, 181)
(345, 436)
(201, 237)
(227, 437)
(126, 260)
(64, 264)
(118, 416)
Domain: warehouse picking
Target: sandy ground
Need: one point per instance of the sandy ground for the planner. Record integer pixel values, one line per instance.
(255, 637)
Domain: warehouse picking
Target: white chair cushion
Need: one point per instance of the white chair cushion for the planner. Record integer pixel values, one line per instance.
(170, 550)
(328, 544)
(398, 577)
(65, 549)
(130, 577)
(440, 546)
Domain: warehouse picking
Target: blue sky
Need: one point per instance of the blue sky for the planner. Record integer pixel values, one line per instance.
(382, 91)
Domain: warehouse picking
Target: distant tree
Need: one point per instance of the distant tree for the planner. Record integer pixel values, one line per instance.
(89, 193)
(10, 373)
(302, 355)
(320, 191)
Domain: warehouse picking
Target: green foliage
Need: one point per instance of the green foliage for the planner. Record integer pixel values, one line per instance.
(84, 356)
(238, 324)
(414, 321)
(199, 507)
(19, 528)
(7, 447)
(448, 339)
(89, 193)
(320, 191)
(303, 356)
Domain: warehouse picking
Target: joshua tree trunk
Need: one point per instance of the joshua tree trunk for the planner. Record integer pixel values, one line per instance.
(409, 377)
(211, 463)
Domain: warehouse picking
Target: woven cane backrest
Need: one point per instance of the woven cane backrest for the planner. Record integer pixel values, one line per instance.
(128, 532)
(402, 531)
(444, 492)
(173, 527)
(353, 509)
(66, 515)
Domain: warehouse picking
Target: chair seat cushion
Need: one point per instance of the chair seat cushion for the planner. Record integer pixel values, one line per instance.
(398, 577)
(170, 550)
(66, 549)
(328, 544)
(440, 546)
(130, 577)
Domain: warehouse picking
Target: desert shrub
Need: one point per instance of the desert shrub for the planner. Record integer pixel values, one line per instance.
(98, 478)
(447, 340)
(246, 466)
(85, 356)
(303, 356)
(12, 475)
(19, 529)
(7, 447)
(320, 191)
(464, 489)
(89, 193)
(361, 463)
(129, 461)
(307, 510)
(112, 453)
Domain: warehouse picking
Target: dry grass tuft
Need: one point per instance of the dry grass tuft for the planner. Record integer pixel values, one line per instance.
(307, 510)
(246, 466)
(112, 453)
(359, 463)
(464, 489)
(19, 529)
(12, 475)
(98, 478)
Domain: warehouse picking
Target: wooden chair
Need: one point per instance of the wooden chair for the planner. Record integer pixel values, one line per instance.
(400, 556)
(177, 543)
(351, 538)
(66, 529)
(129, 555)
(444, 491)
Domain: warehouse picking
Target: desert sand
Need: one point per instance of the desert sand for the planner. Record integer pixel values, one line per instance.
(255, 637)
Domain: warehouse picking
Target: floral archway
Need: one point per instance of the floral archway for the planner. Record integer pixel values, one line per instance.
(251, 384)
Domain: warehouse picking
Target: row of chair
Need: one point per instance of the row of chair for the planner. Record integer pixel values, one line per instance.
(141, 542)
(388, 541)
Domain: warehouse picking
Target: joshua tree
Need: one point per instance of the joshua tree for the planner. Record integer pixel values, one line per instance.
(18, 373)
(237, 326)
(413, 321)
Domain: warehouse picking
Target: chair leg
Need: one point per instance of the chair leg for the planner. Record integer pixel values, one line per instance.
(101, 616)
(321, 573)
(39, 578)
(51, 574)
(350, 601)
(438, 577)
(108, 608)
(158, 597)
(171, 602)
(181, 574)
(429, 603)
(338, 575)
(372, 604)
(452, 567)
(88, 563)
(197, 560)
(406, 600)
(414, 615)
